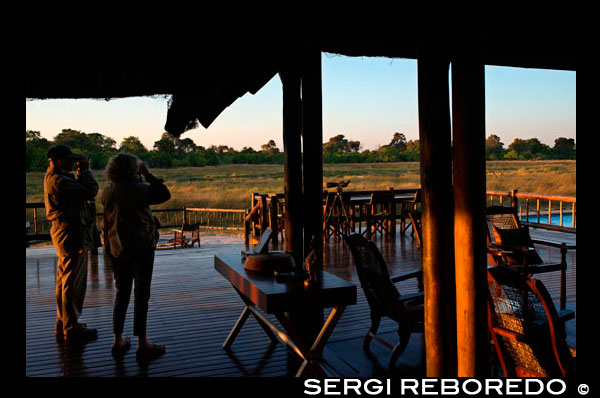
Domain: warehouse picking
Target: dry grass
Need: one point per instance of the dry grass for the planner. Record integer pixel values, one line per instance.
(230, 186)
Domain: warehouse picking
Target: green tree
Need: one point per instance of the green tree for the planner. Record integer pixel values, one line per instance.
(564, 148)
(270, 148)
(74, 139)
(398, 141)
(354, 146)
(494, 148)
(339, 144)
(133, 145)
(531, 148)
(184, 146)
(165, 145)
(413, 146)
(36, 151)
(100, 143)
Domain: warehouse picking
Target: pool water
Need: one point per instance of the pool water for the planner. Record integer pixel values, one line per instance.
(554, 220)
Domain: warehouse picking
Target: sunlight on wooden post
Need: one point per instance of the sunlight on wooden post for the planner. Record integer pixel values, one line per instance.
(468, 126)
(437, 215)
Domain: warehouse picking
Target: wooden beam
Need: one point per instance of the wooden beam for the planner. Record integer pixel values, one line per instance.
(312, 161)
(292, 163)
(468, 126)
(312, 136)
(437, 213)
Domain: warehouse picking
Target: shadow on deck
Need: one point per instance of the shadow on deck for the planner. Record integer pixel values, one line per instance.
(192, 309)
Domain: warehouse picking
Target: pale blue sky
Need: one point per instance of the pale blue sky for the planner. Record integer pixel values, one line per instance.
(366, 99)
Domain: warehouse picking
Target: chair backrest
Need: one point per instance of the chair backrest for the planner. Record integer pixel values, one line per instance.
(380, 201)
(500, 217)
(524, 325)
(417, 197)
(373, 274)
(190, 227)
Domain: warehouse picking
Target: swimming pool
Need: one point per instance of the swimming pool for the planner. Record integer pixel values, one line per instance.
(554, 220)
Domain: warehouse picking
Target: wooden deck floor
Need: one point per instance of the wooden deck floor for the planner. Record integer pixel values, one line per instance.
(192, 309)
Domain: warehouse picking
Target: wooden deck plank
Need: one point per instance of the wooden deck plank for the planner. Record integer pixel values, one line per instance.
(192, 308)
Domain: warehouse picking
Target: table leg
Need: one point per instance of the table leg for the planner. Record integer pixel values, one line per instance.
(313, 356)
(236, 328)
(249, 309)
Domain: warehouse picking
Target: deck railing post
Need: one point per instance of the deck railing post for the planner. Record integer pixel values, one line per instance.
(514, 201)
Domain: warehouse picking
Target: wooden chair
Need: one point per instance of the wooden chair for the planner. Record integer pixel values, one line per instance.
(409, 206)
(380, 212)
(383, 298)
(526, 330)
(180, 238)
(516, 248)
(415, 220)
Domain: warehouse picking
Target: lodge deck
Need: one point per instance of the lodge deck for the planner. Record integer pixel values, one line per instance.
(192, 309)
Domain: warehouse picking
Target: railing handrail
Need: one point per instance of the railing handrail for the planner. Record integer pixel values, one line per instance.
(531, 195)
(279, 199)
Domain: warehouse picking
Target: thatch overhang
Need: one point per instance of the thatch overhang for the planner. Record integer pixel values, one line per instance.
(208, 60)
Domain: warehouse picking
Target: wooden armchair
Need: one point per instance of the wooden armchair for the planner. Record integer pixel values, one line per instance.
(381, 212)
(509, 244)
(409, 206)
(383, 298)
(180, 238)
(415, 220)
(526, 330)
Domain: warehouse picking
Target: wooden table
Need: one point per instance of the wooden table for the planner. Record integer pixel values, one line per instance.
(400, 198)
(263, 294)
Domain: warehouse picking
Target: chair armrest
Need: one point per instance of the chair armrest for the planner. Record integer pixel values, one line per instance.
(408, 275)
(508, 250)
(566, 315)
(418, 274)
(553, 243)
(419, 296)
(509, 334)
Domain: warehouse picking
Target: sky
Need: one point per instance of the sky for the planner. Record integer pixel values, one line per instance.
(365, 99)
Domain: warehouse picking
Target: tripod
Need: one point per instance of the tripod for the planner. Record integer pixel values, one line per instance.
(337, 220)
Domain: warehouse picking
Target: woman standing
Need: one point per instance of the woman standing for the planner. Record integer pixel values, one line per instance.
(130, 237)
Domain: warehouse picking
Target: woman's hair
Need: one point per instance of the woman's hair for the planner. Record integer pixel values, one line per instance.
(122, 167)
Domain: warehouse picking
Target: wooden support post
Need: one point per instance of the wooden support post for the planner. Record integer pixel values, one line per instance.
(437, 212)
(264, 214)
(292, 163)
(468, 126)
(312, 146)
(514, 201)
(273, 207)
(311, 321)
(246, 230)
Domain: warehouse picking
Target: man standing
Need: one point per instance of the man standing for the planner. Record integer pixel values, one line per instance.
(66, 197)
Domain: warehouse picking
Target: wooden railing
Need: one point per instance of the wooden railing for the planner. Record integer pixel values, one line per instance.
(37, 226)
(532, 208)
(267, 211)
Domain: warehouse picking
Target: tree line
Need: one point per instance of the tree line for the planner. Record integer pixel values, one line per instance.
(171, 152)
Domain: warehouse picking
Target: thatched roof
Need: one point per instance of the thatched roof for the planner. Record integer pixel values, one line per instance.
(207, 60)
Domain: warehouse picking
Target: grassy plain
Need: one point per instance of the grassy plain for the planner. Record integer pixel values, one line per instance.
(230, 186)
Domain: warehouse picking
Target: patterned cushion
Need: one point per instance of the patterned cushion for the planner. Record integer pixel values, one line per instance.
(517, 237)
